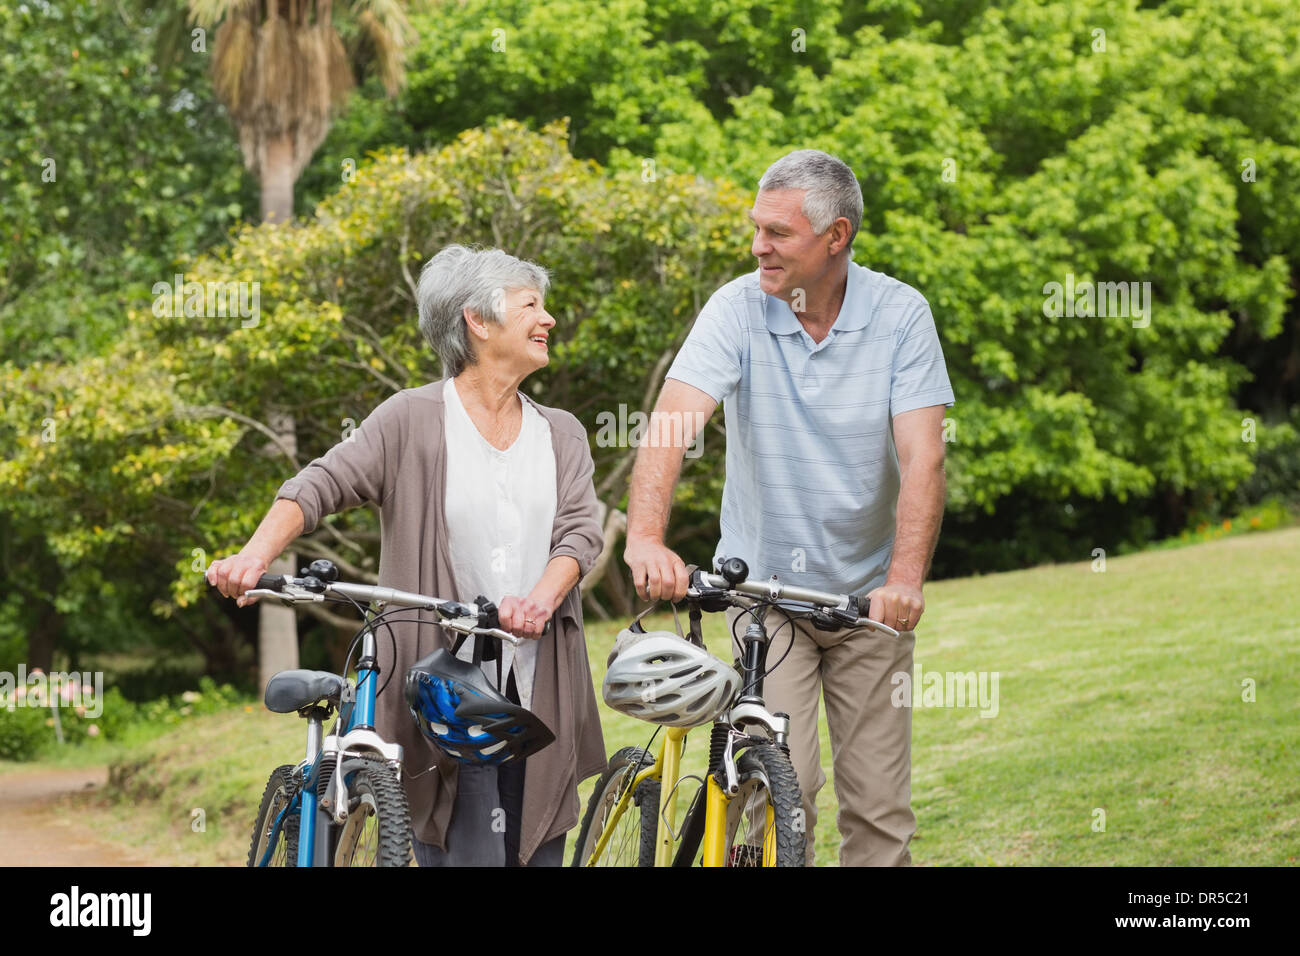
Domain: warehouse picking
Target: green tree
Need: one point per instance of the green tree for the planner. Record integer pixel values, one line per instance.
(1001, 147)
(164, 445)
(111, 175)
(282, 71)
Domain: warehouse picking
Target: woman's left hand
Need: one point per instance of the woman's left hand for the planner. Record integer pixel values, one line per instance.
(523, 617)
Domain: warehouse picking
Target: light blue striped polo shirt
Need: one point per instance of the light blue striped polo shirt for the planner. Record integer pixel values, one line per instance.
(812, 474)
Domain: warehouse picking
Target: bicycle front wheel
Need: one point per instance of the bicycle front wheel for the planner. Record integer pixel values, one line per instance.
(282, 841)
(377, 831)
(631, 840)
(765, 819)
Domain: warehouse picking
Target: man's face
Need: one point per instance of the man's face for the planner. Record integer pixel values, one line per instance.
(790, 255)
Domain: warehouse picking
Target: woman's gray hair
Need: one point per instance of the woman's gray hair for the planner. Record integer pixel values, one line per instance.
(832, 189)
(459, 278)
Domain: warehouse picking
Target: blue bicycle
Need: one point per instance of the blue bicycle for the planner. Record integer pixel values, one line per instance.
(343, 804)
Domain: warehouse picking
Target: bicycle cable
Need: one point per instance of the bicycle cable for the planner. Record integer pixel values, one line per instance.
(790, 622)
(366, 623)
(396, 614)
(644, 759)
(753, 611)
(369, 623)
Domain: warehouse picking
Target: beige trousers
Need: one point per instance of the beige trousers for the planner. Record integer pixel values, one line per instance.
(871, 739)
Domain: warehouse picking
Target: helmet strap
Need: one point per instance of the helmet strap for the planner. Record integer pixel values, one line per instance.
(482, 651)
(697, 635)
(677, 621)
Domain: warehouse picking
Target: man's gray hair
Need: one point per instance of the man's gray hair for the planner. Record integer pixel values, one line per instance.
(458, 278)
(831, 188)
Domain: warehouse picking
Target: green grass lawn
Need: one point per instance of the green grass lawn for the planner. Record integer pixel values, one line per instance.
(1119, 691)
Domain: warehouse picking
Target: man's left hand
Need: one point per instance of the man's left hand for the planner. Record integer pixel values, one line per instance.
(899, 606)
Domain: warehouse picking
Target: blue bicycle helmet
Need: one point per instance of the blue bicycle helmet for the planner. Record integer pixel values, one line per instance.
(455, 706)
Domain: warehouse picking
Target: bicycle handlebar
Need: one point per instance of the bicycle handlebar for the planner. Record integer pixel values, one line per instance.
(839, 608)
(463, 618)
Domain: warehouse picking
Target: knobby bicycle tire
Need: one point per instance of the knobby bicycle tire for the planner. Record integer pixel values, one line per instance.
(633, 842)
(280, 790)
(377, 831)
(767, 778)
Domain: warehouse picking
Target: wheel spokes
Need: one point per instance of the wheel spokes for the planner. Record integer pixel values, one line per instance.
(751, 831)
(627, 834)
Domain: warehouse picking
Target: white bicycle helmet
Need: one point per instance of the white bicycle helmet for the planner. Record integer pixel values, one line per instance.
(665, 679)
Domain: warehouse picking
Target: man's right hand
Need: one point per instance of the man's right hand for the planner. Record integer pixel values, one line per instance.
(236, 574)
(657, 572)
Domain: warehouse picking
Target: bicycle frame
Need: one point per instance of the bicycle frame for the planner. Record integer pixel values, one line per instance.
(706, 823)
(358, 737)
(748, 708)
(358, 741)
(667, 769)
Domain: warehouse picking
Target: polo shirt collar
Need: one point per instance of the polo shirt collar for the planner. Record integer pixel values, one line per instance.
(855, 311)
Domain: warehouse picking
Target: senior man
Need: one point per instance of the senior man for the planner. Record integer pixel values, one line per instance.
(834, 388)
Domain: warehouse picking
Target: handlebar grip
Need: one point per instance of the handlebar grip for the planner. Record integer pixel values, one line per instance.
(694, 583)
(271, 582)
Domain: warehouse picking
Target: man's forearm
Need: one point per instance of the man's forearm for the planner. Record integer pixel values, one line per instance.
(921, 497)
(281, 526)
(650, 497)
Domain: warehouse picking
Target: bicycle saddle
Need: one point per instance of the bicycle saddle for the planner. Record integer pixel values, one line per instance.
(289, 691)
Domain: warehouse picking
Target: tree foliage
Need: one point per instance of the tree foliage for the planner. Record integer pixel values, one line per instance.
(1003, 147)
(161, 446)
(112, 172)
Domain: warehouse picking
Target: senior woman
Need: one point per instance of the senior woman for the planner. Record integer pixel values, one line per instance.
(481, 491)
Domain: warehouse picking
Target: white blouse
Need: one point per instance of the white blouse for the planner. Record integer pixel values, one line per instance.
(500, 509)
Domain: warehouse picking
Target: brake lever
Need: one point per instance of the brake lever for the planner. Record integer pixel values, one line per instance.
(498, 633)
(860, 605)
(507, 636)
(877, 626)
(469, 625)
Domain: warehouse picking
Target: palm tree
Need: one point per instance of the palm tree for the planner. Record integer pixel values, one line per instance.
(282, 70)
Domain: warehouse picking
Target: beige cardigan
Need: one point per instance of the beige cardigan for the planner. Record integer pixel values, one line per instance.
(397, 458)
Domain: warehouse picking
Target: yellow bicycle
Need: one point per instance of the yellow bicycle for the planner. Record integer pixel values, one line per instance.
(748, 812)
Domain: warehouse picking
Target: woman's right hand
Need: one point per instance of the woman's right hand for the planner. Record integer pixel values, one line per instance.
(236, 574)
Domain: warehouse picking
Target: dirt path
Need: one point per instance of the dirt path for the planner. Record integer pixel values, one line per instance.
(45, 820)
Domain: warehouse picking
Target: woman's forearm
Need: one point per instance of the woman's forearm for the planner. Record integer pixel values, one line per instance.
(527, 616)
(557, 580)
(281, 526)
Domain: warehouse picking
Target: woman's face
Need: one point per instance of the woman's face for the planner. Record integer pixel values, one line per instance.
(521, 341)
